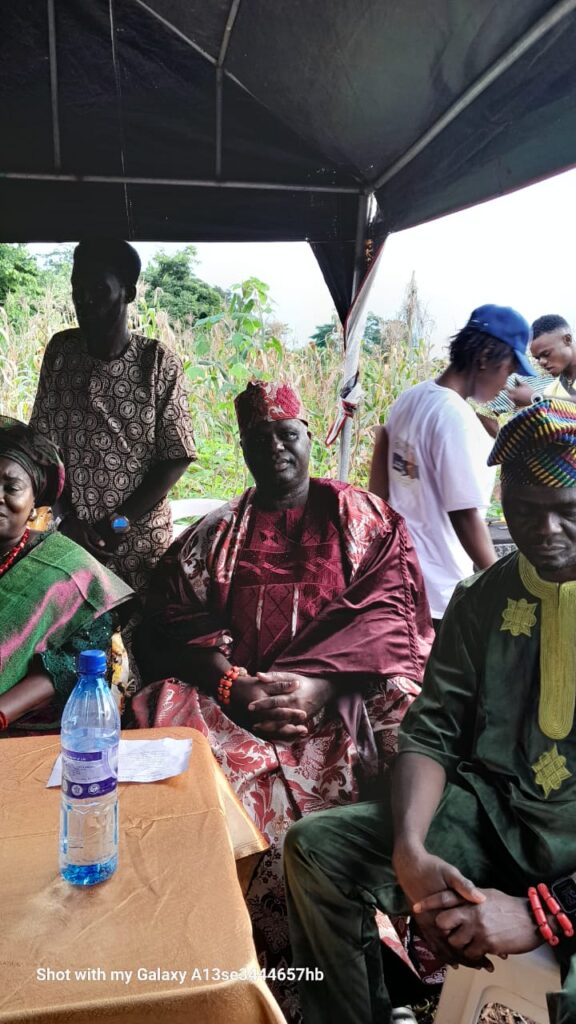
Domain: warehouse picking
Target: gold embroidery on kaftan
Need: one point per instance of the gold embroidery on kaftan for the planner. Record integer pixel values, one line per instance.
(518, 617)
(550, 770)
(557, 651)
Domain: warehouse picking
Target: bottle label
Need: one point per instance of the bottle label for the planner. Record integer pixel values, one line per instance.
(89, 775)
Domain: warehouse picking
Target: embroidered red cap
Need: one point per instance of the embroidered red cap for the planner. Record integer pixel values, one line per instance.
(267, 400)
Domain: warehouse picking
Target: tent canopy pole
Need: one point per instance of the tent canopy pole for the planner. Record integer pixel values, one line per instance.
(359, 263)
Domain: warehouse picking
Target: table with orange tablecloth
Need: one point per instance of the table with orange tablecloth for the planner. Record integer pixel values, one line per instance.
(112, 952)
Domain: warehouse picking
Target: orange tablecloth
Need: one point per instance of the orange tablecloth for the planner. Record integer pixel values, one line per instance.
(174, 904)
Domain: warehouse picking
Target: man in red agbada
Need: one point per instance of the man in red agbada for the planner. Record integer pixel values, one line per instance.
(295, 622)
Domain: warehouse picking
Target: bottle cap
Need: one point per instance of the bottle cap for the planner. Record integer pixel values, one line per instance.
(92, 663)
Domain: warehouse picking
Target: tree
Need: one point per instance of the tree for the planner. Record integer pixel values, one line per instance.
(178, 290)
(327, 335)
(58, 263)
(56, 271)
(415, 315)
(19, 273)
(374, 332)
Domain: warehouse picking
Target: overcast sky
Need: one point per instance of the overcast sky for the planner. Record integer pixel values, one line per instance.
(517, 251)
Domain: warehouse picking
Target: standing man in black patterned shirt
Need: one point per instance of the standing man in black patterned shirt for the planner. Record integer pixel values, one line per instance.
(115, 403)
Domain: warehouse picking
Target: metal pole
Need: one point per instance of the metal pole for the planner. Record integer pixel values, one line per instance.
(549, 21)
(346, 432)
(118, 82)
(220, 81)
(54, 84)
(345, 450)
(130, 179)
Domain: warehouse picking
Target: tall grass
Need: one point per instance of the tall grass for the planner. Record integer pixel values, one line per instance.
(220, 355)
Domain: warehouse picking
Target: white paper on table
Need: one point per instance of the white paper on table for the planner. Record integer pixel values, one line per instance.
(143, 760)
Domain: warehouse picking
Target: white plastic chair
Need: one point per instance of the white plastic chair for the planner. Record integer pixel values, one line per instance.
(519, 983)
(191, 508)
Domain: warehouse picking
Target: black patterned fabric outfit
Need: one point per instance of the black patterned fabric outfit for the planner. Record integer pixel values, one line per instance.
(114, 421)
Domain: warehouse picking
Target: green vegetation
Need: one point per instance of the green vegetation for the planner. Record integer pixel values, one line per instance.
(19, 272)
(221, 352)
(177, 289)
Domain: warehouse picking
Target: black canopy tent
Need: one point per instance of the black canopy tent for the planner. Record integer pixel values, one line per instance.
(231, 120)
(330, 121)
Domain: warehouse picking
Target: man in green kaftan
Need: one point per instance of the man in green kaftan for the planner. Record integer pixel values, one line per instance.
(482, 803)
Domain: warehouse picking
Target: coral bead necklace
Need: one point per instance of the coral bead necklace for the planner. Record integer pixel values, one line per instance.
(12, 555)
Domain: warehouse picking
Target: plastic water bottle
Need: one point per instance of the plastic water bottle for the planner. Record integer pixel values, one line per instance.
(90, 734)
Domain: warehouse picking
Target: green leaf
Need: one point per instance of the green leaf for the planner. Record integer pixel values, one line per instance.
(239, 371)
(195, 372)
(238, 340)
(274, 345)
(206, 321)
(202, 346)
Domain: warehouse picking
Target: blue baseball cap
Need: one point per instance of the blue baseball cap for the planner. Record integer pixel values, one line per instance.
(505, 324)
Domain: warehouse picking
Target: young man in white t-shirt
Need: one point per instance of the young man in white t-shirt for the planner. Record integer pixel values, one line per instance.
(429, 460)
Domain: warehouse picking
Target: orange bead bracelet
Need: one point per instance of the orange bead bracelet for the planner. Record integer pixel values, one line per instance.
(225, 685)
(540, 918)
(555, 908)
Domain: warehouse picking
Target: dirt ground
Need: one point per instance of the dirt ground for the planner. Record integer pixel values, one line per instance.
(493, 1013)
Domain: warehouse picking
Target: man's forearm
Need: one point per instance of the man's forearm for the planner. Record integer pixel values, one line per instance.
(490, 423)
(153, 488)
(473, 535)
(418, 783)
(378, 482)
(161, 656)
(202, 667)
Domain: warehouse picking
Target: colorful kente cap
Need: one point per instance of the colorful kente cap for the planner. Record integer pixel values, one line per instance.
(538, 445)
(265, 400)
(505, 324)
(36, 455)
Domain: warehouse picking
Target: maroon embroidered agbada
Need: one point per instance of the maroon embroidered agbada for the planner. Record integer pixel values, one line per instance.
(333, 590)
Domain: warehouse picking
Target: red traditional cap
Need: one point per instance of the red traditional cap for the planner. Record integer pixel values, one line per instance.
(267, 400)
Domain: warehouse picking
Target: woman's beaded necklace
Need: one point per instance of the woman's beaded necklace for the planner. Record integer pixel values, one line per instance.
(12, 555)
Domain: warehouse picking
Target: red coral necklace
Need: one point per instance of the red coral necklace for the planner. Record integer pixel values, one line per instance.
(12, 555)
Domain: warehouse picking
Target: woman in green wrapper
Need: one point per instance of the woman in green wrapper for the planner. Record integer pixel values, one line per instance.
(55, 599)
